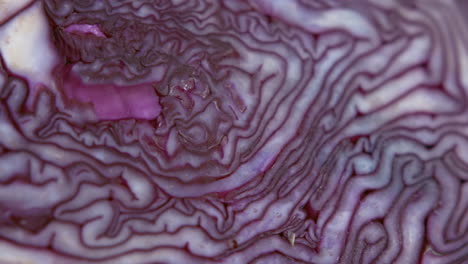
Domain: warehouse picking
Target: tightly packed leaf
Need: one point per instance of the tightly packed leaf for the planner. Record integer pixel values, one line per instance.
(247, 131)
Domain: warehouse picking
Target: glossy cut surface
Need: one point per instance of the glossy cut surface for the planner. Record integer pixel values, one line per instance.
(233, 132)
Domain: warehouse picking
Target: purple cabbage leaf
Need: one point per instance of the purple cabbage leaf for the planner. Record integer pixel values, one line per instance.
(233, 131)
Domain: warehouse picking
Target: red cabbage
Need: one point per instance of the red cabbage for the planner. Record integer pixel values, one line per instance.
(233, 131)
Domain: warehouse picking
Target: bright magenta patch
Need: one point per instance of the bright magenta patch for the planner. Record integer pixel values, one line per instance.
(85, 29)
(113, 102)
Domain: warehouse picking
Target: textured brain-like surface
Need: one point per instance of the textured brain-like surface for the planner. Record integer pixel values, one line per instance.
(208, 131)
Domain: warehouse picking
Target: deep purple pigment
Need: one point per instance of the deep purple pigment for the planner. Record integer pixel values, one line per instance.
(234, 132)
